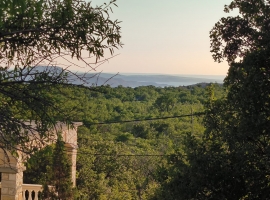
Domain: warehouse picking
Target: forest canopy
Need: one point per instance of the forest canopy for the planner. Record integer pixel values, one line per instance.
(131, 157)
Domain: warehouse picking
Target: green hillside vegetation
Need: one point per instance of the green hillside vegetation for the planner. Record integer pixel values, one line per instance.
(173, 143)
(130, 160)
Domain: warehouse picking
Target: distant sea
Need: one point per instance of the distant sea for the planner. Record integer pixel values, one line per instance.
(158, 80)
(220, 77)
(186, 79)
(194, 79)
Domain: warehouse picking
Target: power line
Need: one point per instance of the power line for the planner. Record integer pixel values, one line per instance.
(134, 120)
(146, 119)
(125, 155)
(69, 152)
(122, 155)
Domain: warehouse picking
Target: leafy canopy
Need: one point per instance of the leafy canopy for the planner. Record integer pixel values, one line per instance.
(235, 37)
(33, 35)
(232, 160)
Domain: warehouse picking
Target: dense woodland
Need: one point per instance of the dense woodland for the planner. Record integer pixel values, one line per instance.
(129, 160)
(136, 143)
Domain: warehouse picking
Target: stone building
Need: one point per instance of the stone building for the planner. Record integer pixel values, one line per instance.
(11, 168)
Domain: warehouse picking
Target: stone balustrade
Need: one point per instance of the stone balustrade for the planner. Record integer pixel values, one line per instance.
(29, 191)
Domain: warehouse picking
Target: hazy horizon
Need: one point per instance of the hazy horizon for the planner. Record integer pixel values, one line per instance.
(165, 37)
(134, 73)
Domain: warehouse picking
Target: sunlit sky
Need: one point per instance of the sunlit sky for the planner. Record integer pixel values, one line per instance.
(166, 36)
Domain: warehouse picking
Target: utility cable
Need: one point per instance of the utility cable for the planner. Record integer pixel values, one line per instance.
(145, 119)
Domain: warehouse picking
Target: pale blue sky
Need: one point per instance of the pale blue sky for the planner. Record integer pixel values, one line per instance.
(166, 36)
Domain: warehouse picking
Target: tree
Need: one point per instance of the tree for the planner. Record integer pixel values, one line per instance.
(245, 114)
(235, 37)
(106, 172)
(35, 33)
(37, 166)
(51, 166)
(59, 175)
(232, 161)
(165, 102)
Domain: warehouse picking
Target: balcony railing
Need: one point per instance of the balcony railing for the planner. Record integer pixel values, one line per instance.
(31, 191)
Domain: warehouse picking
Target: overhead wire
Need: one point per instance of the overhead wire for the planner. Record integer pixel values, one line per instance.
(70, 152)
(145, 119)
(138, 120)
(121, 155)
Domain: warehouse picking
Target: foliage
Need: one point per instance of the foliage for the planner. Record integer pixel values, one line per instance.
(165, 102)
(51, 168)
(33, 35)
(232, 160)
(123, 160)
(42, 28)
(37, 166)
(129, 160)
(59, 175)
(235, 37)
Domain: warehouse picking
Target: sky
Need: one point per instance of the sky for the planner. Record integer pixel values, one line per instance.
(166, 37)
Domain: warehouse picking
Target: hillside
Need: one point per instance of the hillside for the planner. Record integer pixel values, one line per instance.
(160, 80)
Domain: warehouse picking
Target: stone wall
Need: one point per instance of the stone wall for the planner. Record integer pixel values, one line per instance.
(12, 167)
